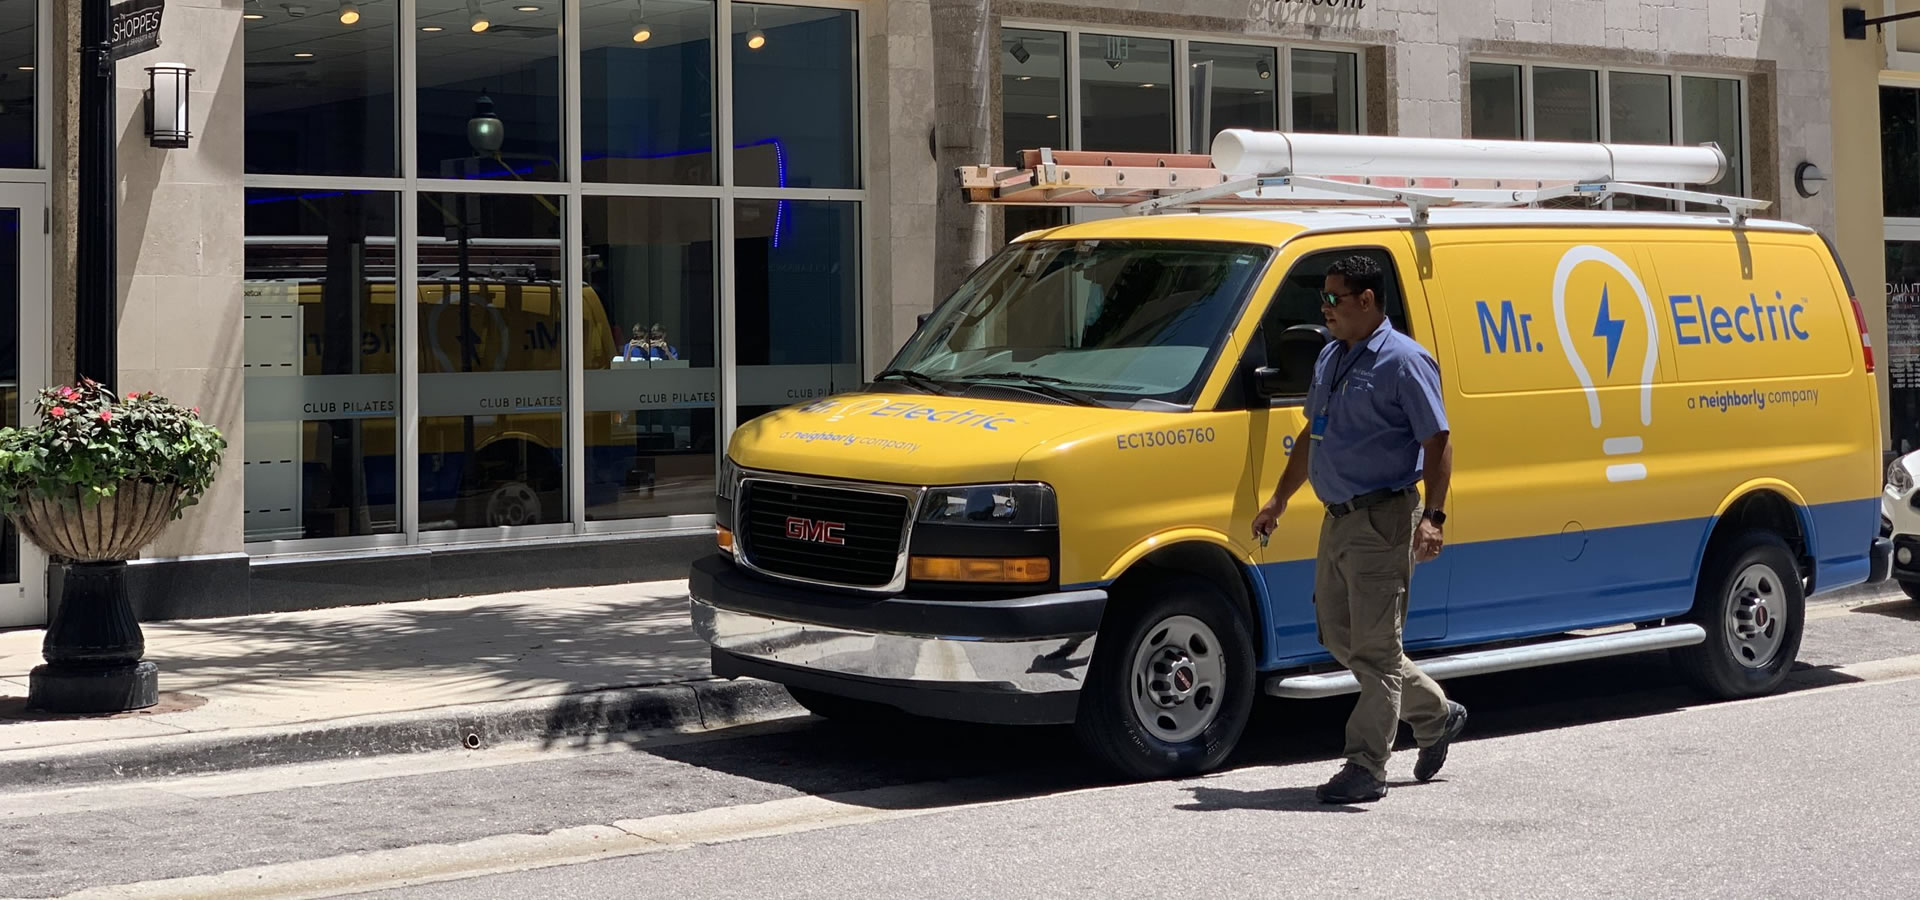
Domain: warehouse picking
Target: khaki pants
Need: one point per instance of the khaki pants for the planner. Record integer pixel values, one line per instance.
(1360, 601)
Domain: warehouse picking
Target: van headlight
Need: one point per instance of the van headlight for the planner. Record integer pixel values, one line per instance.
(1018, 505)
(1898, 477)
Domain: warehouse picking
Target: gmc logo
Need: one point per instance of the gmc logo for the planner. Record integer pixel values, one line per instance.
(818, 532)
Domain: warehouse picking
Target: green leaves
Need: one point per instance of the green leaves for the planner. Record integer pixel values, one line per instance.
(92, 440)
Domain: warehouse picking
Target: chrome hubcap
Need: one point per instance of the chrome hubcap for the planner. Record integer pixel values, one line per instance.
(1178, 677)
(1756, 616)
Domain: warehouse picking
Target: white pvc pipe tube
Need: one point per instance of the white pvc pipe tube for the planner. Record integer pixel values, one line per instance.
(1239, 152)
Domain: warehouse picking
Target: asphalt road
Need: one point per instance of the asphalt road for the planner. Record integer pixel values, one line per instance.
(1595, 779)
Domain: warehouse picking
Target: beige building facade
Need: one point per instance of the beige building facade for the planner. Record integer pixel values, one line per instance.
(478, 288)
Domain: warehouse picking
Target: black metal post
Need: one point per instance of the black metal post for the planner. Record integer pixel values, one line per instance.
(96, 339)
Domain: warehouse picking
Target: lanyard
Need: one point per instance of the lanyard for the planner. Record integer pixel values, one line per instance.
(1340, 375)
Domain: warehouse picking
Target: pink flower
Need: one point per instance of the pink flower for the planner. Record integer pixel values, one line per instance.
(67, 393)
(196, 410)
(58, 412)
(133, 396)
(106, 416)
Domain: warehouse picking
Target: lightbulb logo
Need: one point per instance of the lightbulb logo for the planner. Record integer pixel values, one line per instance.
(1610, 324)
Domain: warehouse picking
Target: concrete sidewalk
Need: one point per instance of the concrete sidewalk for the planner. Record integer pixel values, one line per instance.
(561, 666)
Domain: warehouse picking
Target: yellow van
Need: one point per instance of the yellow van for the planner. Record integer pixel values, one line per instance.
(1665, 438)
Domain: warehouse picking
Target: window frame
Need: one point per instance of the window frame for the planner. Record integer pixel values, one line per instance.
(572, 189)
(1604, 99)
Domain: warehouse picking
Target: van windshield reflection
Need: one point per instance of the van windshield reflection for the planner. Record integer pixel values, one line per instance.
(1107, 322)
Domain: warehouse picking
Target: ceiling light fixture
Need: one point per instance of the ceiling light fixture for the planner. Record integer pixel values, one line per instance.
(252, 17)
(431, 28)
(642, 32)
(349, 13)
(476, 18)
(756, 38)
(1020, 51)
(528, 8)
(1264, 68)
(303, 55)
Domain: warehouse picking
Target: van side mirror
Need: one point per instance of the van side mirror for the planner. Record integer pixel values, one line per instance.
(920, 321)
(1290, 370)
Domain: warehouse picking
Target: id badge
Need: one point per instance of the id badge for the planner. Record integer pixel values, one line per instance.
(1319, 427)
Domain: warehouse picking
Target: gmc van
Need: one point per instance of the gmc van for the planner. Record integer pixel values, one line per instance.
(1665, 439)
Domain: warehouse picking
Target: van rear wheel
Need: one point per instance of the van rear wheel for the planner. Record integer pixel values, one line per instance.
(1170, 688)
(1751, 602)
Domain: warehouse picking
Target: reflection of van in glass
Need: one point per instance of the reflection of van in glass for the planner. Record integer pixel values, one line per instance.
(321, 377)
(1664, 428)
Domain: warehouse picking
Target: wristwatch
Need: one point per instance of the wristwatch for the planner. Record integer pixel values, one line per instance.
(1435, 516)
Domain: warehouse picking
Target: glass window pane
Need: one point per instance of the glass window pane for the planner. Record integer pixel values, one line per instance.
(1326, 91)
(1033, 92)
(797, 301)
(321, 393)
(650, 356)
(9, 369)
(19, 58)
(1566, 104)
(795, 116)
(1640, 111)
(1903, 343)
(1640, 108)
(492, 335)
(646, 75)
(1900, 151)
(1233, 87)
(320, 92)
(1126, 94)
(1494, 93)
(489, 93)
(1710, 111)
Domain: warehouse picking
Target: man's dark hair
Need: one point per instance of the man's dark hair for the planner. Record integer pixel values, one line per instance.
(1362, 274)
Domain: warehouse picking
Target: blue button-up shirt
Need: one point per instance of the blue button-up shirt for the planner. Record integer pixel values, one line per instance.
(1379, 401)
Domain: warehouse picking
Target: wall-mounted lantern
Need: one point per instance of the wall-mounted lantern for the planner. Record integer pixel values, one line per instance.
(168, 119)
(1808, 179)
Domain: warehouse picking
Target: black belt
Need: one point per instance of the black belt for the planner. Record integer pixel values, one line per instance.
(1371, 498)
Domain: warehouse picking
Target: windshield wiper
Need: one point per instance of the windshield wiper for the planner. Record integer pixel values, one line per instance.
(1046, 385)
(920, 380)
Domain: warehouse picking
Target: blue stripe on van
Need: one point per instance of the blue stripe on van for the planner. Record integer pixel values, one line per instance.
(1527, 587)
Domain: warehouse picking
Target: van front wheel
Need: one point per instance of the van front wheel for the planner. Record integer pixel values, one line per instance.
(1171, 685)
(1752, 605)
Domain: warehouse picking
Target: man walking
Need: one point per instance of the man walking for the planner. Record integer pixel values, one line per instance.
(1374, 416)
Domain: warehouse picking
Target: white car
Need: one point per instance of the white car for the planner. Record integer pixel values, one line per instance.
(1900, 520)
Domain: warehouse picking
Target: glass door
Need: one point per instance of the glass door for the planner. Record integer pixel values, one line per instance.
(23, 369)
(1903, 334)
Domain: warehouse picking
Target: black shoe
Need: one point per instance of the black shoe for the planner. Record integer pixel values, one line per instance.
(1435, 756)
(1353, 784)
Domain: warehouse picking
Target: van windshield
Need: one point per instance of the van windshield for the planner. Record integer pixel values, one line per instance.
(1113, 322)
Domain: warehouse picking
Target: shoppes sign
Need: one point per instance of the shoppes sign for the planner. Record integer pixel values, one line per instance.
(1329, 4)
(135, 26)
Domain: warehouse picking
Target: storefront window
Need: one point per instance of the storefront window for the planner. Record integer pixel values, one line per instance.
(320, 358)
(1900, 151)
(1033, 87)
(1640, 111)
(646, 75)
(1566, 104)
(489, 90)
(797, 307)
(1903, 343)
(1233, 87)
(651, 378)
(320, 91)
(493, 394)
(1494, 94)
(19, 64)
(795, 119)
(1126, 94)
(1326, 91)
(1710, 111)
(9, 369)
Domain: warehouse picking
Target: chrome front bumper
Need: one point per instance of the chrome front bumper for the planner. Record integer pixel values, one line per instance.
(1036, 666)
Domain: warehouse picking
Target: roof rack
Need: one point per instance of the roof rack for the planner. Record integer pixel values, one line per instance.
(1272, 169)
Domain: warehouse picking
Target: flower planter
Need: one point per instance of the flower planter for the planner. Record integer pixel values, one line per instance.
(112, 529)
(95, 481)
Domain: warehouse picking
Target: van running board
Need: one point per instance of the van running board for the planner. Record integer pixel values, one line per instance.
(1481, 662)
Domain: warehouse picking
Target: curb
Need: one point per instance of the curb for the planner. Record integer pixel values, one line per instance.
(553, 721)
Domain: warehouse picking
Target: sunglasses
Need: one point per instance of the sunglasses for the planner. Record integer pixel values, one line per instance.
(1332, 299)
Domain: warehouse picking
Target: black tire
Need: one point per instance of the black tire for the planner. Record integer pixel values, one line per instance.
(1107, 725)
(1912, 588)
(847, 710)
(1725, 666)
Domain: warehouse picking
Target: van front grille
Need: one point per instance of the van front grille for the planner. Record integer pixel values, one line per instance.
(825, 534)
